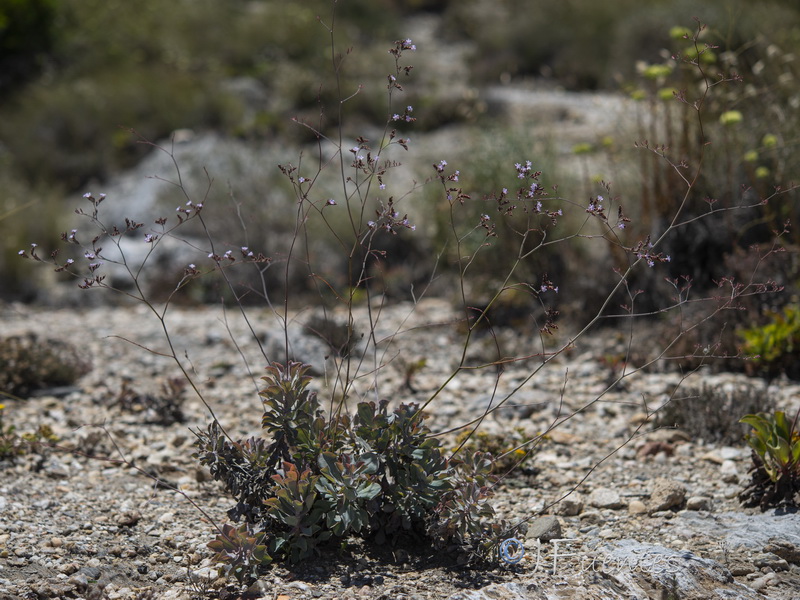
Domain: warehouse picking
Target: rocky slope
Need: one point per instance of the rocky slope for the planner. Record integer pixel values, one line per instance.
(652, 513)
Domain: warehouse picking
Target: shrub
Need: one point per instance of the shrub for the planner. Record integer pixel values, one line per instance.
(13, 444)
(27, 34)
(775, 346)
(164, 408)
(710, 413)
(379, 475)
(28, 363)
(742, 156)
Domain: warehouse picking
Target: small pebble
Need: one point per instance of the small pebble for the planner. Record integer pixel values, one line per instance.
(637, 507)
(698, 503)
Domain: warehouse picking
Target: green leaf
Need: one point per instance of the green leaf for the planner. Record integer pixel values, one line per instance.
(782, 425)
(781, 452)
(757, 444)
(372, 490)
(796, 452)
(759, 423)
(372, 462)
(366, 413)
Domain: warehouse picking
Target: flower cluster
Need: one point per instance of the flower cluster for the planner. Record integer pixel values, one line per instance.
(644, 251)
(405, 116)
(188, 210)
(400, 46)
(440, 166)
(597, 209)
(547, 285)
(524, 171)
(453, 194)
(529, 196)
(389, 219)
(228, 255)
(487, 224)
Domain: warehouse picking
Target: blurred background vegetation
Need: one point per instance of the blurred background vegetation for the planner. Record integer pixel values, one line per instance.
(77, 75)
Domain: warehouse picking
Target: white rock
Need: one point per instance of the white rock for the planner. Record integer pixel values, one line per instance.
(605, 498)
(729, 471)
(637, 507)
(698, 503)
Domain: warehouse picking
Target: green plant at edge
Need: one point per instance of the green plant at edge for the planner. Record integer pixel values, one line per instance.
(776, 459)
(776, 345)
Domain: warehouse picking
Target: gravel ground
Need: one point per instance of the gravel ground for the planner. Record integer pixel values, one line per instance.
(80, 527)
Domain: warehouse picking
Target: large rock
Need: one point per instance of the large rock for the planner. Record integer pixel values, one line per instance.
(666, 494)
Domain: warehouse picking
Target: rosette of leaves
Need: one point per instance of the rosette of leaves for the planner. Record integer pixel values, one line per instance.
(294, 420)
(241, 551)
(296, 516)
(775, 442)
(379, 475)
